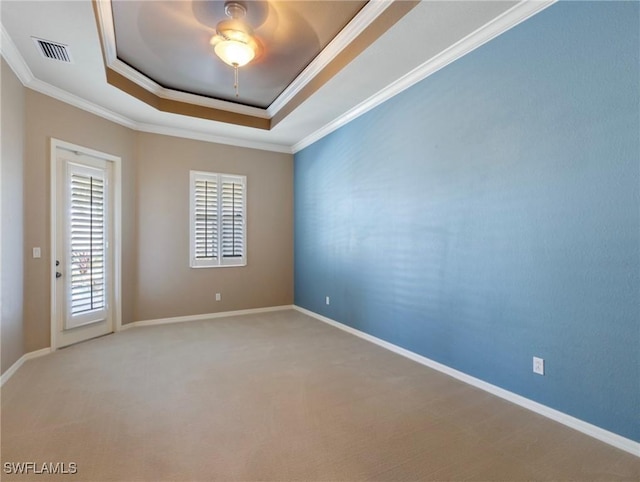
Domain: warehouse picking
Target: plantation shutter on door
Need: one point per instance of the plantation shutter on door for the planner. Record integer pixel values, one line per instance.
(87, 245)
(218, 220)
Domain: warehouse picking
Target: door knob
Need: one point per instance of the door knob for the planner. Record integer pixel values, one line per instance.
(58, 274)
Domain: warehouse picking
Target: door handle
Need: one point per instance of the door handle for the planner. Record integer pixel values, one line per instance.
(58, 274)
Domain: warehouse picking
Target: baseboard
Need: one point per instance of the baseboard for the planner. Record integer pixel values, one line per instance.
(594, 431)
(205, 316)
(178, 319)
(27, 356)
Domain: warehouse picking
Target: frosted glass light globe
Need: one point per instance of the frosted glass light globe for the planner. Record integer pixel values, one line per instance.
(234, 53)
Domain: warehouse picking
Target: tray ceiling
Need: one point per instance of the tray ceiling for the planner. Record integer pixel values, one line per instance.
(168, 42)
(164, 48)
(380, 57)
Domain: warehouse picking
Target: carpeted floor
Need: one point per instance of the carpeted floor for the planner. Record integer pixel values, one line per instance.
(276, 396)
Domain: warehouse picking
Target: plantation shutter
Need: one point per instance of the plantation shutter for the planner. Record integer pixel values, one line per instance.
(88, 240)
(218, 220)
(233, 222)
(206, 218)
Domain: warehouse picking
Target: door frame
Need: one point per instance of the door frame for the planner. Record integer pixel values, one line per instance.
(117, 231)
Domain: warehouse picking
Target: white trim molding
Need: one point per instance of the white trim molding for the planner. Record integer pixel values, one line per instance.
(372, 10)
(75, 101)
(27, 356)
(348, 34)
(203, 136)
(509, 19)
(16, 62)
(205, 316)
(186, 97)
(502, 23)
(594, 431)
(105, 18)
(161, 321)
(13, 57)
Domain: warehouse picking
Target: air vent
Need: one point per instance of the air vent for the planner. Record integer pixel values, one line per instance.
(53, 50)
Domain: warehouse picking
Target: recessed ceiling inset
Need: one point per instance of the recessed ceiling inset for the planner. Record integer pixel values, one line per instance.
(169, 42)
(159, 52)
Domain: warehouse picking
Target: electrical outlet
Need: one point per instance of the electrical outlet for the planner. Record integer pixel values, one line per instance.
(218, 297)
(327, 300)
(538, 365)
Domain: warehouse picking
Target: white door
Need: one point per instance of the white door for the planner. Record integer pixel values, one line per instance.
(84, 285)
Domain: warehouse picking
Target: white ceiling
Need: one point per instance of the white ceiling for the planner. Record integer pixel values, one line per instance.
(430, 36)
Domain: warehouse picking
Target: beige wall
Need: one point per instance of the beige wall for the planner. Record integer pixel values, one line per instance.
(12, 218)
(167, 286)
(157, 279)
(47, 118)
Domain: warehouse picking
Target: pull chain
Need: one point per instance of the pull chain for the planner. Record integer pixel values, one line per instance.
(235, 78)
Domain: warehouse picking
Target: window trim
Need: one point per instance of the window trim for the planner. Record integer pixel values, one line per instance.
(220, 261)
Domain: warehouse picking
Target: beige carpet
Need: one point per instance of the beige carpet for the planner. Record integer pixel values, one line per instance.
(277, 396)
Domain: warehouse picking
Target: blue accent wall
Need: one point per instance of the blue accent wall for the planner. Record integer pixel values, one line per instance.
(491, 213)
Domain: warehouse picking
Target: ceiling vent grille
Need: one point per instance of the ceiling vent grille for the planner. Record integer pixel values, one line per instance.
(53, 50)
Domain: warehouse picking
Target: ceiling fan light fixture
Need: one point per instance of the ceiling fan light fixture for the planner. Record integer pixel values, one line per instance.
(234, 42)
(234, 52)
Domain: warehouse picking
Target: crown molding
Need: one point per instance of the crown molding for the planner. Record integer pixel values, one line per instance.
(372, 10)
(214, 103)
(348, 34)
(107, 33)
(506, 21)
(186, 97)
(482, 35)
(12, 56)
(16, 62)
(203, 136)
(71, 99)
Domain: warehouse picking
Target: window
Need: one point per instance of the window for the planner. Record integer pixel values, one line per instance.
(87, 239)
(218, 220)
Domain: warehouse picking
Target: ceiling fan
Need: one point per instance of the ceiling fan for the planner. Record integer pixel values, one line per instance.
(234, 41)
(277, 33)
